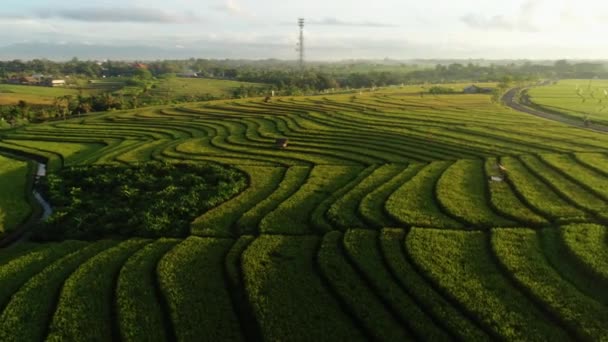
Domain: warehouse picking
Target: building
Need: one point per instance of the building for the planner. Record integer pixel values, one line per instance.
(473, 89)
(54, 83)
(190, 74)
(281, 143)
(23, 80)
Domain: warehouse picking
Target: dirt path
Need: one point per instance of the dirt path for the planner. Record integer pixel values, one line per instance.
(509, 99)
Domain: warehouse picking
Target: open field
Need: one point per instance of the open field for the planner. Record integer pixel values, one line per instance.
(11, 94)
(178, 87)
(376, 222)
(14, 207)
(575, 98)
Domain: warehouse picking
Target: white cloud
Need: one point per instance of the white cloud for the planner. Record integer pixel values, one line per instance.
(234, 8)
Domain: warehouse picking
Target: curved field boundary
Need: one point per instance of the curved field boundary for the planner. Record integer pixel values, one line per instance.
(415, 203)
(85, 307)
(372, 208)
(587, 244)
(220, 221)
(343, 213)
(462, 191)
(504, 200)
(293, 216)
(281, 281)
(519, 252)
(346, 285)
(460, 264)
(30, 310)
(138, 302)
(191, 278)
(362, 249)
(456, 322)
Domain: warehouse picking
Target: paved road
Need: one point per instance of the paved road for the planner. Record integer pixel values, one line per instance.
(509, 100)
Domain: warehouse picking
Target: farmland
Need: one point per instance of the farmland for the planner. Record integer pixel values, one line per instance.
(183, 88)
(575, 98)
(378, 221)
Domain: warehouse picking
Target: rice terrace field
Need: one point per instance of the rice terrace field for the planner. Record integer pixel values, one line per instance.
(389, 216)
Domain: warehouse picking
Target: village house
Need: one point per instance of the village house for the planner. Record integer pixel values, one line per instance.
(54, 83)
(473, 89)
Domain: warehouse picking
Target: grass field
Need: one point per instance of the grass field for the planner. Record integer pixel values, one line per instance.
(378, 221)
(14, 207)
(11, 94)
(178, 87)
(575, 98)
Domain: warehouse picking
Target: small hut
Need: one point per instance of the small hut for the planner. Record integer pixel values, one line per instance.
(281, 143)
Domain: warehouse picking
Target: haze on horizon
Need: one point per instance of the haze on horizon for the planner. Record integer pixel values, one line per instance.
(339, 29)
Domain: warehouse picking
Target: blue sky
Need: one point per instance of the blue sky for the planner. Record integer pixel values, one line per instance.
(336, 29)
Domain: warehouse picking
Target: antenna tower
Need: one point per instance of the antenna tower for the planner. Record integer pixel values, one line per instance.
(300, 48)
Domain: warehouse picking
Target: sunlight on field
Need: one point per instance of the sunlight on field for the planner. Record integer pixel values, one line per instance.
(575, 98)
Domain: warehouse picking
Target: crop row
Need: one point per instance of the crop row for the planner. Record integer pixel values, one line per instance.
(428, 283)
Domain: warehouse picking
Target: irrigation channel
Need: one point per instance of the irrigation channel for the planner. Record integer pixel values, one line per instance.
(47, 210)
(36, 216)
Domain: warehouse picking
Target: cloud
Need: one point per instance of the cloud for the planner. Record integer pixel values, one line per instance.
(481, 22)
(110, 15)
(338, 22)
(234, 8)
(524, 20)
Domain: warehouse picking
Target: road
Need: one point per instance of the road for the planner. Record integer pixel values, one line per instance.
(509, 100)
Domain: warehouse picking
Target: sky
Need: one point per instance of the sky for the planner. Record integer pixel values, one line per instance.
(335, 29)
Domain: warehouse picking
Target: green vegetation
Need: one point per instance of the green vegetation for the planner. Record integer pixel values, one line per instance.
(293, 215)
(197, 89)
(361, 246)
(537, 194)
(191, 279)
(148, 200)
(84, 310)
(587, 242)
(16, 272)
(462, 191)
(310, 239)
(391, 242)
(281, 282)
(414, 202)
(578, 98)
(14, 207)
(352, 290)
(26, 316)
(459, 263)
(11, 94)
(504, 199)
(520, 252)
(220, 220)
(138, 309)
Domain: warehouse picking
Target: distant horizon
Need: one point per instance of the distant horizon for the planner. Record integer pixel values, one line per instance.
(52, 51)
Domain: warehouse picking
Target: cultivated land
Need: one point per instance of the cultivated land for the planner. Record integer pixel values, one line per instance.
(178, 87)
(14, 208)
(378, 222)
(11, 94)
(575, 98)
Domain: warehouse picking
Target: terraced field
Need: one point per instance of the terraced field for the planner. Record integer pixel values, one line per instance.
(378, 221)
